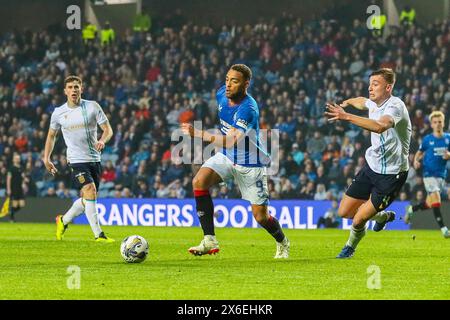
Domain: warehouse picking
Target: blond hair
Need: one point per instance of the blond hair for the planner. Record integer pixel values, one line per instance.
(437, 114)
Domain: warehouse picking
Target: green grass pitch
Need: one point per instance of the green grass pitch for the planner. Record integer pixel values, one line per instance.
(33, 265)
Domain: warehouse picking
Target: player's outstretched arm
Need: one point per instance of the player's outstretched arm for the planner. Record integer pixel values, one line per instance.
(335, 112)
(227, 141)
(49, 145)
(358, 103)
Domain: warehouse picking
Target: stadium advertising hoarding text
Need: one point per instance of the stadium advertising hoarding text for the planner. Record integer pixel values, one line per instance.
(292, 214)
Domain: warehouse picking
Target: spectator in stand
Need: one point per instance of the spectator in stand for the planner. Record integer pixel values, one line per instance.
(321, 192)
(307, 192)
(331, 218)
(223, 191)
(109, 172)
(124, 179)
(298, 67)
(62, 192)
(287, 190)
(21, 143)
(143, 190)
(126, 193)
(316, 146)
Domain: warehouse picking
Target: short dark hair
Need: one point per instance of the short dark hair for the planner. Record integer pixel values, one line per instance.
(387, 73)
(242, 68)
(71, 79)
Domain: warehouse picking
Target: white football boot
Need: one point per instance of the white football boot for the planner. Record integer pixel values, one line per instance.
(209, 245)
(283, 249)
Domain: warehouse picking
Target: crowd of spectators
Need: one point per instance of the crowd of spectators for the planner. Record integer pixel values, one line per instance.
(149, 82)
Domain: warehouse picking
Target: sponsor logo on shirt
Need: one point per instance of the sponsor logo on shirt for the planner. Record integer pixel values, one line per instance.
(75, 127)
(242, 123)
(439, 151)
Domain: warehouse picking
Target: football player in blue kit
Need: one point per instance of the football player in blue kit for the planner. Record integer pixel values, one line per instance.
(240, 158)
(434, 153)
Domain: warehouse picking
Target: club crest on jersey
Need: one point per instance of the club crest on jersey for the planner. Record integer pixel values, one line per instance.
(80, 177)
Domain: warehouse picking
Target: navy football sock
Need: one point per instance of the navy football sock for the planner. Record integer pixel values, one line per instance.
(205, 211)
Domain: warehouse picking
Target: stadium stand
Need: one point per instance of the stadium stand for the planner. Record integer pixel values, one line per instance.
(149, 82)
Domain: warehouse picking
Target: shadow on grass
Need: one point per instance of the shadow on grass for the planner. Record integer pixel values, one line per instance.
(194, 262)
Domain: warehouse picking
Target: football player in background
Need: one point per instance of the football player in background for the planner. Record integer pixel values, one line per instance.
(78, 120)
(434, 152)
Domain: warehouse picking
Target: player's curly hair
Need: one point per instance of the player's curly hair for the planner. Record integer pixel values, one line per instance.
(71, 79)
(242, 68)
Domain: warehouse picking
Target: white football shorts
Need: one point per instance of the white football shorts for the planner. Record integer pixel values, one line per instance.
(252, 181)
(434, 184)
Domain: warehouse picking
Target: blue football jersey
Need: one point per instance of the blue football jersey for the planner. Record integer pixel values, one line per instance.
(434, 148)
(245, 117)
